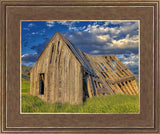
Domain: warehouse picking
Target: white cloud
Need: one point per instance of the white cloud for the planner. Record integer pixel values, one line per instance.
(130, 60)
(71, 25)
(64, 22)
(27, 29)
(73, 28)
(83, 27)
(96, 29)
(106, 23)
(106, 39)
(50, 23)
(95, 52)
(67, 23)
(29, 58)
(127, 42)
(116, 22)
(124, 27)
(34, 33)
(103, 37)
(115, 30)
(30, 25)
(128, 27)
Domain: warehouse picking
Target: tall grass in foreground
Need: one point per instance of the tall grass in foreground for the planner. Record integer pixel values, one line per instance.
(101, 104)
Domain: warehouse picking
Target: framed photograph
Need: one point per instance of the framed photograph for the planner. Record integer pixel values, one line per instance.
(98, 75)
(80, 67)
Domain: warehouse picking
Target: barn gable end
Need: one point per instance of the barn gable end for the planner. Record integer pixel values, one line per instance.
(62, 72)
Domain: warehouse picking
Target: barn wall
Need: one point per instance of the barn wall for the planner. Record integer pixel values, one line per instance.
(41, 66)
(63, 77)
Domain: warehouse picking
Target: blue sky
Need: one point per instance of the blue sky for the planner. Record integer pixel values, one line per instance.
(93, 37)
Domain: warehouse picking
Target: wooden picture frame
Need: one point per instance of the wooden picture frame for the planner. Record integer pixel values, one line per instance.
(12, 11)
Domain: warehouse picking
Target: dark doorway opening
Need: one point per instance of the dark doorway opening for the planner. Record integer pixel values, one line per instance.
(85, 91)
(41, 83)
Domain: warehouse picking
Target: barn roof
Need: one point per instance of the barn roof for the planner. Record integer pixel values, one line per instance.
(113, 76)
(79, 55)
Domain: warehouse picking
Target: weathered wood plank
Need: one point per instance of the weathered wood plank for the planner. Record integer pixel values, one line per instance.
(113, 68)
(133, 90)
(122, 79)
(123, 89)
(135, 86)
(89, 87)
(127, 88)
(118, 88)
(117, 68)
(103, 90)
(109, 71)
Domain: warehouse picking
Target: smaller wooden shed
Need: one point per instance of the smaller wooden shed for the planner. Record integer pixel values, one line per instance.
(64, 74)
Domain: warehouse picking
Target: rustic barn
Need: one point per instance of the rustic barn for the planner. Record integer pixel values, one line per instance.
(64, 74)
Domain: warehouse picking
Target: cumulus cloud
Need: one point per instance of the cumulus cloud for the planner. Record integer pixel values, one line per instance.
(27, 29)
(122, 39)
(67, 23)
(30, 25)
(26, 58)
(50, 23)
(127, 42)
(95, 52)
(121, 27)
(71, 25)
(131, 60)
(103, 40)
(34, 33)
(110, 37)
(95, 28)
(104, 37)
(129, 27)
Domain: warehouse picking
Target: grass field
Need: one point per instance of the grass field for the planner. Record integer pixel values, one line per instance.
(25, 87)
(101, 104)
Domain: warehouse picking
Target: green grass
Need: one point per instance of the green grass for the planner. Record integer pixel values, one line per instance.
(103, 104)
(25, 87)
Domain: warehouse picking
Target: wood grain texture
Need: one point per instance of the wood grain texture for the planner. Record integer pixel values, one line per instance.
(147, 121)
